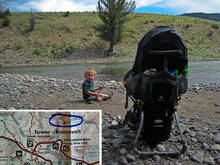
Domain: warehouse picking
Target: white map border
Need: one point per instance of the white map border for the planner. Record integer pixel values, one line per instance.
(86, 110)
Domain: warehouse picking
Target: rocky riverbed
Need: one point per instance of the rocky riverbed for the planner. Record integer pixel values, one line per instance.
(202, 137)
(199, 117)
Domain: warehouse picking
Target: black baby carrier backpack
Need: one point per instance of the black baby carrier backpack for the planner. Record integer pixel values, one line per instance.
(155, 84)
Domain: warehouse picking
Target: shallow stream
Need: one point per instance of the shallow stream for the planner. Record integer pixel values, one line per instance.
(204, 72)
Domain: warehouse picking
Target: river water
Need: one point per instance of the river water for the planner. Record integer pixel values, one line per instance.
(204, 72)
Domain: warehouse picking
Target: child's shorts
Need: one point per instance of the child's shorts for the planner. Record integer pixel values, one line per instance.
(91, 98)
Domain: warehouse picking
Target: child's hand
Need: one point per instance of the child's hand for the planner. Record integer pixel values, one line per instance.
(99, 99)
(101, 87)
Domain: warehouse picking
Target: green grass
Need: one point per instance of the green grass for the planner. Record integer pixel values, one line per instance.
(56, 36)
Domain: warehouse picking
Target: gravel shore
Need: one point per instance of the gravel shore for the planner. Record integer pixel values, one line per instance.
(199, 117)
(15, 86)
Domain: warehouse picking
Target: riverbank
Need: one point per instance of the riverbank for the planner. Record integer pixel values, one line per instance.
(199, 116)
(95, 60)
(37, 92)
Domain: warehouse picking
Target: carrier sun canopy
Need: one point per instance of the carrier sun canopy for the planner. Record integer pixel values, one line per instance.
(158, 43)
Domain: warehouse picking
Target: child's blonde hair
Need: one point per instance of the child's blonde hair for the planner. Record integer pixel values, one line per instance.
(89, 71)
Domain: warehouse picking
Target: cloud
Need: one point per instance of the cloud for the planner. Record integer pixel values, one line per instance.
(60, 5)
(144, 3)
(206, 6)
(73, 5)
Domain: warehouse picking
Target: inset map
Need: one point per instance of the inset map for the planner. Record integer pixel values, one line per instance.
(50, 137)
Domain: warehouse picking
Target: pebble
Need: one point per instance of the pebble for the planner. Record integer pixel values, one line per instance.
(215, 147)
(216, 138)
(209, 160)
(63, 106)
(123, 151)
(114, 123)
(130, 158)
(217, 105)
(160, 148)
(113, 163)
(182, 128)
(123, 161)
(15, 86)
(157, 158)
(198, 157)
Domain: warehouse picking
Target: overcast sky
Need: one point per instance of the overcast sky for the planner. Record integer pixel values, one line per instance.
(147, 6)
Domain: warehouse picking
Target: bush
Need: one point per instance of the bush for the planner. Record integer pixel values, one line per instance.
(1, 14)
(7, 12)
(4, 14)
(6, 21)
(215, 26)
(66, 14)
(18, 46)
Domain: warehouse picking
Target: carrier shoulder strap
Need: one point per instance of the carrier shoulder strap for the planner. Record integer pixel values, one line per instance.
(126, 102)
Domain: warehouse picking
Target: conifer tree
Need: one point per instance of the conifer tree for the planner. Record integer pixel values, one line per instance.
(113, 14)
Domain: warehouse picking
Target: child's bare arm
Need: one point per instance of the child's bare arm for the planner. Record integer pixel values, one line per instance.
(99, 88)
(93, 93)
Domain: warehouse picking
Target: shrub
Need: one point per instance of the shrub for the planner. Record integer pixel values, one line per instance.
(1, 15)
(6, 21)
(7, 12)
(18, 46)
(66, 14)
(38, 51)
(215, 26)
(210, 32)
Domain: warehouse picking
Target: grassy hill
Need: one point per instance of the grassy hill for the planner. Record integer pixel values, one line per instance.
(56, 36)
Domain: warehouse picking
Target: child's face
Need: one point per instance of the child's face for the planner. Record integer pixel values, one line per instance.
(90, 77)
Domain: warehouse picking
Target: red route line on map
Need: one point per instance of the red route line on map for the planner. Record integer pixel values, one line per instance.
(26, 149)
(33, 153)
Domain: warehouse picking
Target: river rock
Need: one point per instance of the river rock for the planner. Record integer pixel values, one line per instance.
(182, 128)
(123, 151)
(119, 117)
(216, 138)
(205, 146)
(217, 104)
(63, 106)
(123, 161)
(215, 147)
(130, 158)
(12, 108)
(192, 133)
(157, 158)
(160, 148)
(114, 123)
(209, 160)
(113, 163)
(198, 157)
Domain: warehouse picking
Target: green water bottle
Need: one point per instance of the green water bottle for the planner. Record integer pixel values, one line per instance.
(176, 73)
(185, 73)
